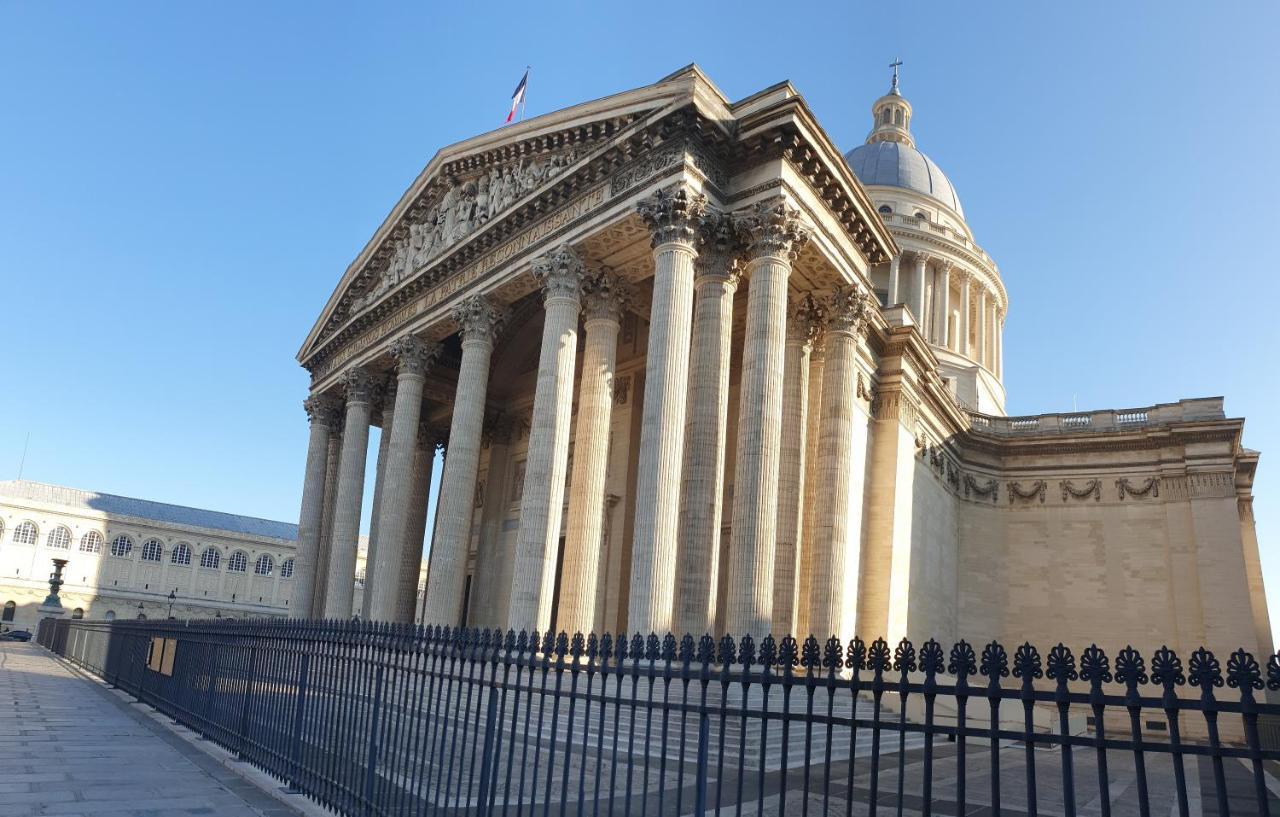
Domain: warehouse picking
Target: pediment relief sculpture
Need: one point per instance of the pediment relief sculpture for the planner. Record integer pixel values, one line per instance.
(465, 206)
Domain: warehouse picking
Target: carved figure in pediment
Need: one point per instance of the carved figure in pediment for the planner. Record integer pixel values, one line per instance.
(417, 243)
(464, 218)
(482, 201)
(449, 208)
(504, 191)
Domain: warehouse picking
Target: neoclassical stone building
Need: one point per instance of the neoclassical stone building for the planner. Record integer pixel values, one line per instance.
(125, 556)
(695, 370)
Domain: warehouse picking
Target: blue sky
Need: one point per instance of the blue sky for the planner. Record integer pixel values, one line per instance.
(181, 185)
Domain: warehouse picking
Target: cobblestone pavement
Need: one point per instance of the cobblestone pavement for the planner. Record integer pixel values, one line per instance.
(69, 746)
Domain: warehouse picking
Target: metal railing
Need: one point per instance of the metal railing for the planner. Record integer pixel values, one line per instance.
(376, 719)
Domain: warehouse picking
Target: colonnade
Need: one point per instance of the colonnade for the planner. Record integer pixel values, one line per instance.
(973, 327)
(794, 540)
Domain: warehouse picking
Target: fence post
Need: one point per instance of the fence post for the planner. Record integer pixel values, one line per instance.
(299, 707)
(486, 758)
(248, 699)
(371, 763)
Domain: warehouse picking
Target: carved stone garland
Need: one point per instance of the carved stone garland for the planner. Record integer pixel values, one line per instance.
(1037, 490)
(1150, 487)
(1092, 488)
(990, 489)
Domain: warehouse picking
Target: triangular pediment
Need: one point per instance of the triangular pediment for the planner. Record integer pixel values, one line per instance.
(468, 189)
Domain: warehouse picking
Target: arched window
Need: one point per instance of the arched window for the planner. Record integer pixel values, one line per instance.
(59, 538)
(122, 546)
(91, 542)
(884, 116)
(181, 554)
(897, 116)
(239, 562)
(921, 214)
(26, 534)
(110, 616)
(211, 558)
(264, 566)
(10, 608)
(77, 613)
(152, 550)
(885, 210)
(286, 569)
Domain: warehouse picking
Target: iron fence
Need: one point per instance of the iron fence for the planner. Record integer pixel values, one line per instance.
(377, 719)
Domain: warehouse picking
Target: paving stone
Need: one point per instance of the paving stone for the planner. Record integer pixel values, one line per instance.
(59, 730)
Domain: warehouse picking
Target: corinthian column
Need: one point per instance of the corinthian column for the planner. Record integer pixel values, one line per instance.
(386, 395)
(813, 424)
(705, 431)
(533, 585)
(605, 297)
(480, 321)
(332, 460)
(346, 512)
(917, 291)
(835, 557)
(802, 329)
(982, 328)
(413, 356)
(773, 235)
(323, 414)
(964, 347)
(424, 456)
(672, 216)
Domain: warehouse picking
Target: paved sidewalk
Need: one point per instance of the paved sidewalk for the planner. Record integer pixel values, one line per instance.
(69, 746)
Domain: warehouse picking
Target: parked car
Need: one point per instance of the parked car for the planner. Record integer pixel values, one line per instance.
(16, 635)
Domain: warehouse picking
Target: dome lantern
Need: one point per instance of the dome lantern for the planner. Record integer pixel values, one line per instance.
(891, 115)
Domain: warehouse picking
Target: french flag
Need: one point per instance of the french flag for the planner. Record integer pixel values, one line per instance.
(517, 98)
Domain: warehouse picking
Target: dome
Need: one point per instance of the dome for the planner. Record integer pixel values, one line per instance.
(898, 164)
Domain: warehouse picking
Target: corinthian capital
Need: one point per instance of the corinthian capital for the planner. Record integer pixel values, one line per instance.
(560, 273)
(772, 228)
(849, 311)
(673, 214)
(604, 295)
(359, 385)
(479, 318)
(806, 319)
(323, 410)
(719, 250)
(413, 354)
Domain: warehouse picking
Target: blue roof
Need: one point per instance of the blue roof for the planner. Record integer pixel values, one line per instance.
(894, 164)
(146, 509)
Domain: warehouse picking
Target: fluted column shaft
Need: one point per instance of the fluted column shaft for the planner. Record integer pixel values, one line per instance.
(801, 329)
(894, 264)
(322, 413)
(424, 457)
(672, 217)
(965, 348)
(413, 356)
(705, 441)
(332, 459)
(917, 291)
(346, 513)
(835, 557)
(542, 503)
(809, 522)
(999, 331)
(580, 574)
(982, 328)
(375, 511)
(446, 574)
(944, 305)
(775, 234)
